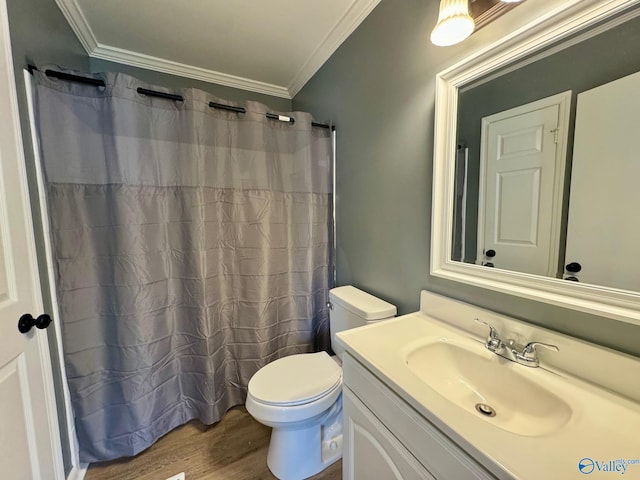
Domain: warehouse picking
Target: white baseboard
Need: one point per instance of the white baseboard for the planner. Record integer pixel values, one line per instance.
(78, 473)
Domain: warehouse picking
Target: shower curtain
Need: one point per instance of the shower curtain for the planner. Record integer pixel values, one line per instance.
(191, 247)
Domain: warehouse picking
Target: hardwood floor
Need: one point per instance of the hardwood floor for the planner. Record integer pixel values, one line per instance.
(233, 449)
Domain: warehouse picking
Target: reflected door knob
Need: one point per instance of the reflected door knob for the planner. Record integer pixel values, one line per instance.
(27, 322)
(489, 254)
(573, 267)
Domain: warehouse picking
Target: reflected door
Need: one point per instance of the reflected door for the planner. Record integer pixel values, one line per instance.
(521, 165)
(28, 427)
(603, 233)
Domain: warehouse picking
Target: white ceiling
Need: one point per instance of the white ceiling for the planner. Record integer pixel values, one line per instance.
(266, 46)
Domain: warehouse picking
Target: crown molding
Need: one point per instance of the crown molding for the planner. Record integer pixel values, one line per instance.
(356, 13)
(338, 34)
(492, 13)
(78, 22)
(148, 62)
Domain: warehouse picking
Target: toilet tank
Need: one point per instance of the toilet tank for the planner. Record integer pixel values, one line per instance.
(351, 308)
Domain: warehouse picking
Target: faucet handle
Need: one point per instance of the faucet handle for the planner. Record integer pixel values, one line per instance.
(493, 343)
(530, 348)
(492, 331)
(529, 354)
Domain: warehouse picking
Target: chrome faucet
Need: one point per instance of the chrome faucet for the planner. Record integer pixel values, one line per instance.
(511, 350)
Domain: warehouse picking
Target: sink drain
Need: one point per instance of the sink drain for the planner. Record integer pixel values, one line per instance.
(485, 410)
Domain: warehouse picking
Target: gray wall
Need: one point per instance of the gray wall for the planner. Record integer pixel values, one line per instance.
(39, 35)
(379, 89)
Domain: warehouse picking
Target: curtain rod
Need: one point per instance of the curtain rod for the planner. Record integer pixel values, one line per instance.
(167, 96)
(273, 116)
(68, 76)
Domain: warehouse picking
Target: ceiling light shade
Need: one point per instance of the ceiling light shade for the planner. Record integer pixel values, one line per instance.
(454, 23)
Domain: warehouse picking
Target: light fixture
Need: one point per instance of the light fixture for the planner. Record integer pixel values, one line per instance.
(510, 1)
(454, 23)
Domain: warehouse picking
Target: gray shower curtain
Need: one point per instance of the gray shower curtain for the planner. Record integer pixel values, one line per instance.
(191, 248)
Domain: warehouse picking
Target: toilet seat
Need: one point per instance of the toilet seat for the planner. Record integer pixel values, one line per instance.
(296, 380)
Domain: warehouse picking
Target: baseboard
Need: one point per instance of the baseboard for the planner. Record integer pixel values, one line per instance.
(78, 473)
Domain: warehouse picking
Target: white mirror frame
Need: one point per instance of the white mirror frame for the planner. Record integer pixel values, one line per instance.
(570, 18)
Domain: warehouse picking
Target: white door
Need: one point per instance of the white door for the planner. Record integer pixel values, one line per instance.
(29, 438)
(603, 233)
(522, 170)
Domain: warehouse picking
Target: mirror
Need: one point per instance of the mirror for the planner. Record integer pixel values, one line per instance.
(535, 165)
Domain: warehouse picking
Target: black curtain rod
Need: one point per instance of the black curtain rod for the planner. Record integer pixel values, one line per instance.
(74, 78)
(168, 96)
(230, 108)
(69, 77)
(282, 118)
(323, 125)
(273, 116)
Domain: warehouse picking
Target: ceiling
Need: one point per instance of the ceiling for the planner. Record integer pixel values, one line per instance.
(267, 46)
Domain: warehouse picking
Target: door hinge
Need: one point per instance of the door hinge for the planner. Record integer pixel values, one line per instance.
(555, 132)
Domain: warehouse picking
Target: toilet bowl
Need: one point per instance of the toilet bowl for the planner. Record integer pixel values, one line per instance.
(300, 396)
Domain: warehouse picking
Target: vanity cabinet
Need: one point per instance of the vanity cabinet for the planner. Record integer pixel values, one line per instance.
(386, 438)
(371, 450)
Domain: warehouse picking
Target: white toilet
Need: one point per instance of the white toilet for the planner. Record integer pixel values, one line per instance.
(300, 396)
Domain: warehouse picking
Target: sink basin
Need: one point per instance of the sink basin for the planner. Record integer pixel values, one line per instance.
(489, 386)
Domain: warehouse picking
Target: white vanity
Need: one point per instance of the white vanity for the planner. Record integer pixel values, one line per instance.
(413, 384)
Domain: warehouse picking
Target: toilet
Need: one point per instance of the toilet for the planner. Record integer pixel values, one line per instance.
(300, 396)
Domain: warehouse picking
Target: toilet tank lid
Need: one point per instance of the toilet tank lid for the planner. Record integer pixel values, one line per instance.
(361, 303)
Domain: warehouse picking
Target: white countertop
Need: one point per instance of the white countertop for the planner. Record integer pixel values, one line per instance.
(603, 426)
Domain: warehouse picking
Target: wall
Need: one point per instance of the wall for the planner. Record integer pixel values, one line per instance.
(379, 90)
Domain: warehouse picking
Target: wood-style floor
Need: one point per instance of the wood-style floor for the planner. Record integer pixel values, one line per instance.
(233, 449)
